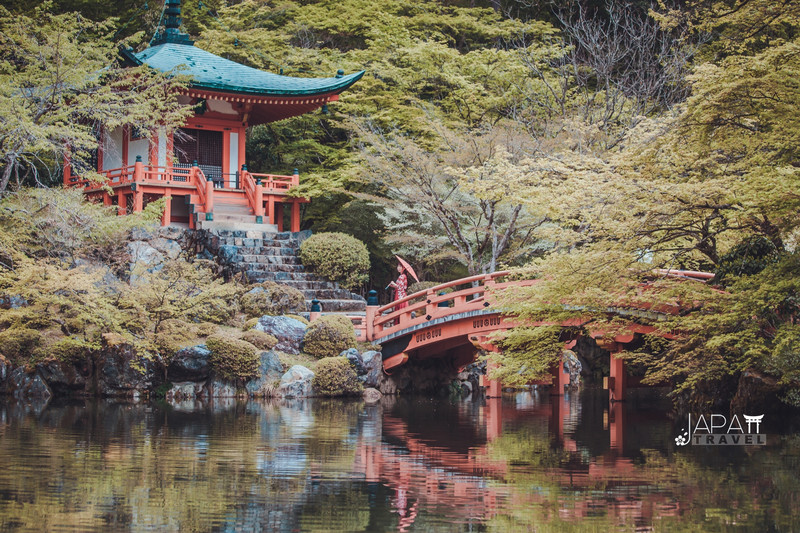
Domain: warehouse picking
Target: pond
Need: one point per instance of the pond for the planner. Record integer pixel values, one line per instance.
(526, 462)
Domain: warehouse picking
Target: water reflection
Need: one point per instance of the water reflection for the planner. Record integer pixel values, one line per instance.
(527, 462)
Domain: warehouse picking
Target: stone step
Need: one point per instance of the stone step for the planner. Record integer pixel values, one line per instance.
(257, 277)
(346, 306)
(263, 251)
(272, 260)
(329, 294)
(216, 225)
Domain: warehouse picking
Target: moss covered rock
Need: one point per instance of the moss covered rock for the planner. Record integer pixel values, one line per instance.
(337, 257)
(335, 376)
(329, 335)
(270, 298)
(259, 339)
(19, 343)
(232, 359)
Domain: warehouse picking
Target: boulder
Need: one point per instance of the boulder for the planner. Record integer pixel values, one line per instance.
(142, 254)
(574, 367)
(24, 386)
(121, 373)
(184, 391)
(216, 388)
(168, 247)
(190, 364)
(66, 378)
(757, 394)
(296, 382)
(5, 370)
(371, 395)
(12, 301)
(355, 359)
(270, 370)
(373, 366)
(288, 331)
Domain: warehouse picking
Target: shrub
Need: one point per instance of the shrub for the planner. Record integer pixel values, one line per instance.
(260, 339)
(19, 343)
(337, 257)
(272, 298)
(335, 376)
(173, 334)
(249, 324)
(232, 359)
(71, 350)
(329, 335)
(205, 329)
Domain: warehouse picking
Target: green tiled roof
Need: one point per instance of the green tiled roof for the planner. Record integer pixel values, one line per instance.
(216, 73)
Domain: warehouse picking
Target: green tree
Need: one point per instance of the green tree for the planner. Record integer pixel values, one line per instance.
(60, 79)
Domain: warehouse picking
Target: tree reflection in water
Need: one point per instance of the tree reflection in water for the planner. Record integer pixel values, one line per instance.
(527, 462)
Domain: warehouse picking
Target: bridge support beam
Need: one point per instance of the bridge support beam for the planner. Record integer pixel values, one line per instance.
(617, 379)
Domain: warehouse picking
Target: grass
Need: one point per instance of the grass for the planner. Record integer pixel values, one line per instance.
(289, 360)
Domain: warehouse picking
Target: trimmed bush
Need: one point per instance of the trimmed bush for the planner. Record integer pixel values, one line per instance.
(329, 335)
(260, 339)
(337, 257)
(272, 298)
(335, 376)
(232, 359)
(19, 343)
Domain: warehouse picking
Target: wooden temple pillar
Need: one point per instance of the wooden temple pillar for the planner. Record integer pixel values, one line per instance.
(279, 215)
(166, 217)
(295, 223)
(271, 209)
(122, 204)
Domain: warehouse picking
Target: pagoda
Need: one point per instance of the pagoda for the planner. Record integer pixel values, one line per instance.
(200, 167)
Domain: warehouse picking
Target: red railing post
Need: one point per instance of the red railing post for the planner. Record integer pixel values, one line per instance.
(258, 199)
(372, 312)
(138, 169)
(209, 185)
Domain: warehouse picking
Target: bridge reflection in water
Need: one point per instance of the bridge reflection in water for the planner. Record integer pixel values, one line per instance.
(583, 462)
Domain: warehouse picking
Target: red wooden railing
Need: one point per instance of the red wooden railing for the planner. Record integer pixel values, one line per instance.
(469, 294)
(387, 319)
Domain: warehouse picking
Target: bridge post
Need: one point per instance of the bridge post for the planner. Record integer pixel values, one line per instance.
(616, 380)
(372, 312)
(616, 426)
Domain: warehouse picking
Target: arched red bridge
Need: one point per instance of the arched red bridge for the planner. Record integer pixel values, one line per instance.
(453, 325)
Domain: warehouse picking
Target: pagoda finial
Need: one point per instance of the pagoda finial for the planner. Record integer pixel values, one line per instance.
(172, 25)
(173, 13)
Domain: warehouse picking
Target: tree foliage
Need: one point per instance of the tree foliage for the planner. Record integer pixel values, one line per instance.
(60, 80)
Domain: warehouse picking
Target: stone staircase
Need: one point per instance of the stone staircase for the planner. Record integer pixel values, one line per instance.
(271, 256)
(232, 211)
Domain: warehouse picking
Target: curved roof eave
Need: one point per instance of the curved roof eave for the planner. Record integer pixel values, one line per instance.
(209, 71)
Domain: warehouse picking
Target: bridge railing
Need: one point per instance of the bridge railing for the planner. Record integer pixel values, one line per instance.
(394, 317)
